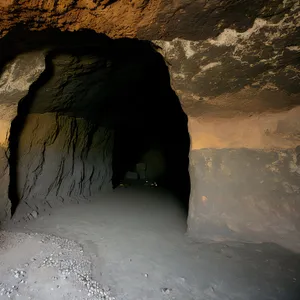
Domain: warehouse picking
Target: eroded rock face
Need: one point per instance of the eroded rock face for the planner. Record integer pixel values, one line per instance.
(60, 159)
(245, 194)
(239, 71)
(155, 19)
(120, 85)
(14, 85)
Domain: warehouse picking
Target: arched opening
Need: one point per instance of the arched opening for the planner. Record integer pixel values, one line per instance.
(101, 114)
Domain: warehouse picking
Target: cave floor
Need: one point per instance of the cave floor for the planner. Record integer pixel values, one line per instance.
(131, 244)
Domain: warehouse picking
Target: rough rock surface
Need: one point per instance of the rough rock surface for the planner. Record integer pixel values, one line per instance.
(61, 159)
(15, 81)
(245, 193)
(240, 70)
(268, 131)
(150, 19)
(214, 47)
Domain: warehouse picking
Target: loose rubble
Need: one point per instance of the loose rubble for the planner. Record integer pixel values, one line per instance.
(58, 269)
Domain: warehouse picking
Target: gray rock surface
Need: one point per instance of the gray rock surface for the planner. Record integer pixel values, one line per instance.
(245, 194)
(61, 159)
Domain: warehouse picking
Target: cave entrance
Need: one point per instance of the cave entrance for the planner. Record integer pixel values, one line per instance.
(151, 139)
(101, 115)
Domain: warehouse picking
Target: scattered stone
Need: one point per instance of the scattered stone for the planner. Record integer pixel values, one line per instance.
(64, 257)
(166, 291)
(34, 214)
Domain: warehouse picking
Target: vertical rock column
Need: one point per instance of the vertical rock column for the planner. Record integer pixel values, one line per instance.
(15, 81)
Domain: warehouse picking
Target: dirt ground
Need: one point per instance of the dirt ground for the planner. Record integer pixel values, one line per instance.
(131, 245)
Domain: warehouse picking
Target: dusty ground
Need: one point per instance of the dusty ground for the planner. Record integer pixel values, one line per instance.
(132, 245)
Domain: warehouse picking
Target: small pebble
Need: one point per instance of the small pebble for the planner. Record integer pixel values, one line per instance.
(166, 290)
(34, 214)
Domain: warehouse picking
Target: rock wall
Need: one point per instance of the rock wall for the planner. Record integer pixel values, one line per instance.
(240, 90)
(246, 177)
(51, 147)
(61, 159)
(245, 194)
(15, 81)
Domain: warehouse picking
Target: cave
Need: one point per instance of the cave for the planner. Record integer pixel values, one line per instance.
(101, 114)
(149, 149)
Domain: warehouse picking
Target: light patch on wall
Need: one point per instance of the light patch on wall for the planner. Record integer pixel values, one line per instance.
(8, 111)
(210, 66)
(188, 51)
(261, 132)
(294, 167)
(274, 166)
(230, 37)
(205, 68)
(243, 41)
(171, 49)
(167, 50)
(178, 75)
(291, 188)
(204, 199)
(22, 72)
(6, 3)
(4, 131)
(294, 48)
(270, 86)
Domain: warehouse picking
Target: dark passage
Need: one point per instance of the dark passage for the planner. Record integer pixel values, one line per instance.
(103, 111)
(152, 127)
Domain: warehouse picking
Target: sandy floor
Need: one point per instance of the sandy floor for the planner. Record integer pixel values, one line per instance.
(132, 245)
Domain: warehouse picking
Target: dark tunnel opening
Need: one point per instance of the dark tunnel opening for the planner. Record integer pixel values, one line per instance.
(91, 82)
(154, 133)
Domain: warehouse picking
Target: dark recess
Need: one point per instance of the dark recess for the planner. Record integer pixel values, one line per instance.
(145, 113)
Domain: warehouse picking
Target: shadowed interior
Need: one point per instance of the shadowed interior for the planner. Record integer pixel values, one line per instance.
(120, 87)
